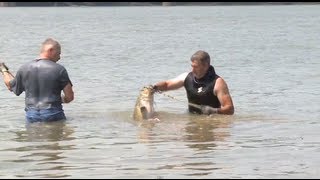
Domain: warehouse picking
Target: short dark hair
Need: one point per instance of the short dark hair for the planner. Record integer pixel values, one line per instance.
(50, 41)
(201, 56)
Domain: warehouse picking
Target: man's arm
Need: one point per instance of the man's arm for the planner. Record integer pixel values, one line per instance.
(222, 92)
(7, 77)
(171, 84)
(68, 94)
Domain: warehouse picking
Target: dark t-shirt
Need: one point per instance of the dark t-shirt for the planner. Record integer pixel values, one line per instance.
(42, 81)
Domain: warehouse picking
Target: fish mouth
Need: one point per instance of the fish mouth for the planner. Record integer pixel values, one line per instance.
(149, 90)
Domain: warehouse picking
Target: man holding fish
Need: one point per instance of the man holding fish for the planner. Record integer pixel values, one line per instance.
(207, 92)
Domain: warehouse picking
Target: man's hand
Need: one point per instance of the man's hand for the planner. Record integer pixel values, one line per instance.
(155, 88)
(3, 68)
(208, 110)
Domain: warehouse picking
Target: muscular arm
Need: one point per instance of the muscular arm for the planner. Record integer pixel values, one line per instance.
(171, 84)
(68, 93)
(222, 92)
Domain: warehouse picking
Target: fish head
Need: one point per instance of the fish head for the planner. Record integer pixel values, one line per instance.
(147, 91)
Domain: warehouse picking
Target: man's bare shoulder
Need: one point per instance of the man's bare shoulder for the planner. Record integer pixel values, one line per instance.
(183, 76)
(180, 77)
(220, 81)
(176, 82)
(220, 85)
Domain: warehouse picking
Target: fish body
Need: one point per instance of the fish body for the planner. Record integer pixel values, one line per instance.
(144, 108)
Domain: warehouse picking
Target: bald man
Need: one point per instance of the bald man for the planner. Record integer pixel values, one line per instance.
(43, 81)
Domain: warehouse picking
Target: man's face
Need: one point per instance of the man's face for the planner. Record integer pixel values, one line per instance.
(198, 69)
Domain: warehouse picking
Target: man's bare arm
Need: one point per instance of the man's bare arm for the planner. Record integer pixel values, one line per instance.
(222, 92)
(171, 84)
(68, 94)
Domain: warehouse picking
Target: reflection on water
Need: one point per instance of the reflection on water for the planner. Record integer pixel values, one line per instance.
(200, 132)
(267, 54)
(43, 147)
(45, 132)
(204, 131)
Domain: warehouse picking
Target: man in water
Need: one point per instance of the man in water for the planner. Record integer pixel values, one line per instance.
(42, 80)
(207, 92)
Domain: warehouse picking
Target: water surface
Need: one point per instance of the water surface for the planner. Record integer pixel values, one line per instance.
(268, 55)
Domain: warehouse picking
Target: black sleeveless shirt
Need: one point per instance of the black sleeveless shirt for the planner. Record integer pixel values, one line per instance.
(200, 91)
